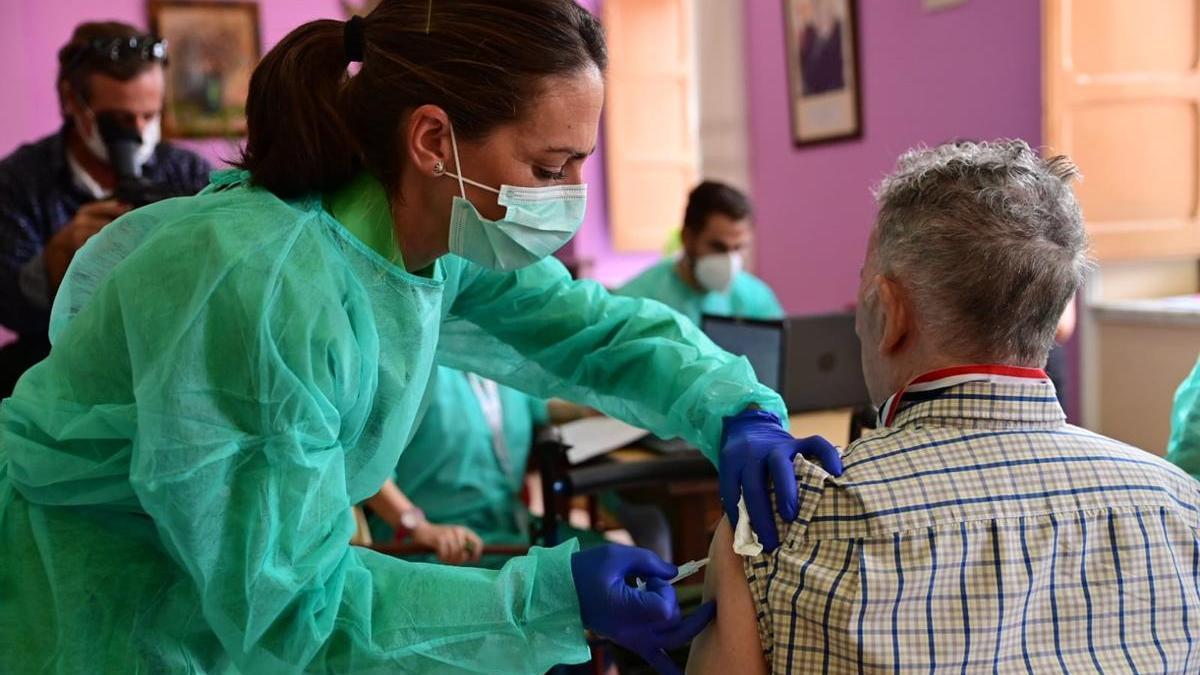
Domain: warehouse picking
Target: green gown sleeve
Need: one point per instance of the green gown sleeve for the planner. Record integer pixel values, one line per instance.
(1183, 449)
(537, 330)
(251, 392)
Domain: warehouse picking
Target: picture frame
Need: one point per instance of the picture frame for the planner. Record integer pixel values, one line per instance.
(825, 90)
(213, 47)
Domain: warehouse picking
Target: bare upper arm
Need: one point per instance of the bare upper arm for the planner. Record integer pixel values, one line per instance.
(730, 643)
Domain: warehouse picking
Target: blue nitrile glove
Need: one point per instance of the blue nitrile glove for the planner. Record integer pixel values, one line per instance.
(753, 444)
(647, 621)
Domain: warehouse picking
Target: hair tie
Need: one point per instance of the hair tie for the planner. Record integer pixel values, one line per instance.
(353, 39)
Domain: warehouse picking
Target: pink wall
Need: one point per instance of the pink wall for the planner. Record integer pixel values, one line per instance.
(973, 71)
(31, 32)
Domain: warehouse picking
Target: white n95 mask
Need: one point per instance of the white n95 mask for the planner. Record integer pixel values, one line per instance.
(539, 221)
(717, 271)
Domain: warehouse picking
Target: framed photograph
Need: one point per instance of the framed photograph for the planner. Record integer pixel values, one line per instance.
(822, 56)
(212, 49)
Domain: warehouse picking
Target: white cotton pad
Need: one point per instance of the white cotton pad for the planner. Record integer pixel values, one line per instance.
(745, 541)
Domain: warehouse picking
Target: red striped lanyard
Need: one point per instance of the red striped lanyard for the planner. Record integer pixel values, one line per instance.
(949, 377)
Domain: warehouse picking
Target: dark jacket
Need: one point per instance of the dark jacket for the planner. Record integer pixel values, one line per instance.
(38, 197)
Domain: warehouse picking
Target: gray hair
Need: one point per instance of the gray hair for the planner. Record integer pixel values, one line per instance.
(989, 239)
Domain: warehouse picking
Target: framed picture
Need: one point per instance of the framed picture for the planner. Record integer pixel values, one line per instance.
(822, 57)
(212, 49)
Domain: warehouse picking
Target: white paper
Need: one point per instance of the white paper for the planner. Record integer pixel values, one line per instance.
(594, 436)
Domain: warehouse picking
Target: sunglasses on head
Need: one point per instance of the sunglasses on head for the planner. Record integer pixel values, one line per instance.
(143, 47)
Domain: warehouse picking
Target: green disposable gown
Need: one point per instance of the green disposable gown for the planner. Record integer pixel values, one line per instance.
(229, 374)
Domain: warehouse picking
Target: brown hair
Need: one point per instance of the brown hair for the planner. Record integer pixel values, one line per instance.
(78, 60)
(712, 197)
(312, 126)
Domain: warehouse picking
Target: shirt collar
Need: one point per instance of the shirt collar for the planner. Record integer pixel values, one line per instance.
(84, 181)
(915, 400)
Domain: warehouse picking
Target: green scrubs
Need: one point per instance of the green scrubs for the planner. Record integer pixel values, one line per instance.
(453, 471)
(748, 297)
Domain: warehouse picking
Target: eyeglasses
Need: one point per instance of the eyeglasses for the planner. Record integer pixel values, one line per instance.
(143, 47)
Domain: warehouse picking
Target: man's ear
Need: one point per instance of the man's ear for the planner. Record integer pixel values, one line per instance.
(894, 315)
(687, 237)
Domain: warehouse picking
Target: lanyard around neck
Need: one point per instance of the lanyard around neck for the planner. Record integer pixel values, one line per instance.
(950, 377)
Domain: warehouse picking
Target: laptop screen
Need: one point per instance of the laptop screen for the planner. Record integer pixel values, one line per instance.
(824, 366)
(762, 342)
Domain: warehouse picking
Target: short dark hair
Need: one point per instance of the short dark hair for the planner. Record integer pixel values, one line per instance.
(712, 197)
(312, 127)
(78, 60)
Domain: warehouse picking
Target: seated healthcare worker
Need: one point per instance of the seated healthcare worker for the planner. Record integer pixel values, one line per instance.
(457, 488)
(708, 278)
(229, 373)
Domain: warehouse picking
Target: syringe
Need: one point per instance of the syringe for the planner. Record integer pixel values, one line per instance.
(686, 570)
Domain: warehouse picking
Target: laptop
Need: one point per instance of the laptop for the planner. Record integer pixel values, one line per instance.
(823, 364)
(763, 343)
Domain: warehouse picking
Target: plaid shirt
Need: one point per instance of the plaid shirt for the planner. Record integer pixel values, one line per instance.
(977, 531)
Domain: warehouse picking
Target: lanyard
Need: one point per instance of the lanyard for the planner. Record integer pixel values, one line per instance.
(487, 393)
(950, 377)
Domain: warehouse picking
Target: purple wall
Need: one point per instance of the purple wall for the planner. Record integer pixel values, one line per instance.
(31, 32)
(973, 71)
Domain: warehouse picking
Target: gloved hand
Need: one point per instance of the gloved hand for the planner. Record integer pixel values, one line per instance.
(753, 444)
(646, 621)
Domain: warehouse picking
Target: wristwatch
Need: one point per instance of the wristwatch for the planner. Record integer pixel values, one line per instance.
(409, 521)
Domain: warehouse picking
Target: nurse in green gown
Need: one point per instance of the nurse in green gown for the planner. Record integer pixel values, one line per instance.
(457, 487)
(231, 372)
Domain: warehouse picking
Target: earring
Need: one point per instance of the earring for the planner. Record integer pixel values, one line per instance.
(439, 168)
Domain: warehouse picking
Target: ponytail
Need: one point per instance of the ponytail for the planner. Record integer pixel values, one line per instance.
(297, 139)
(312, 127)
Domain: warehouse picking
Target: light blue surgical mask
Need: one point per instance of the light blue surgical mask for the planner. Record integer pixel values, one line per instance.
(539, 221)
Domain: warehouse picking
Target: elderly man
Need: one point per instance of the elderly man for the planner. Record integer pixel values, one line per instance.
(975, 530)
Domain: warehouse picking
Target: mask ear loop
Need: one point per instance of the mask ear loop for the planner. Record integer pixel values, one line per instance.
(462, 188)
(457, 173)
